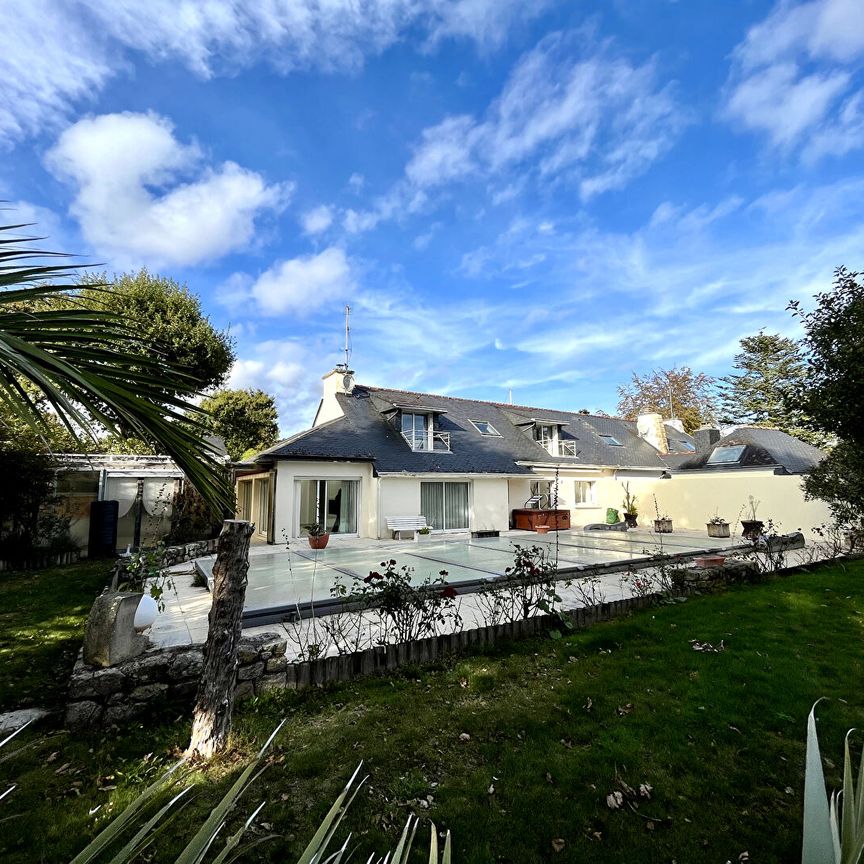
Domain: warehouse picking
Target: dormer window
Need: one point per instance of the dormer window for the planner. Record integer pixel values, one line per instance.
(418, 430)
(545, 435)
(415, 430)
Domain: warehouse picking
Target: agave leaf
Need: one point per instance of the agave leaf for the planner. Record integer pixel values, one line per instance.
(403, 847)
(144, 833)
(197, 847)
(318, 844)
(433, 845)
(448, 852)
(18, 731)
(114, 829)
(818, 846)
(234, 840)
(848, 809)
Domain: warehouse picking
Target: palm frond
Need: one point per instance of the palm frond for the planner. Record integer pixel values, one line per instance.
(69, 353)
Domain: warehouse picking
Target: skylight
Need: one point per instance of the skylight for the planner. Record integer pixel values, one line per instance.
(484, 427)
(687, 446)
(611, 440)
(722, 455)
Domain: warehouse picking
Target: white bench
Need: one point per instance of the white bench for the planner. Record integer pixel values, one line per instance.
(406, 523)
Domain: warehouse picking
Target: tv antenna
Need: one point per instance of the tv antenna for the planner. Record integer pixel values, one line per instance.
(347, 349)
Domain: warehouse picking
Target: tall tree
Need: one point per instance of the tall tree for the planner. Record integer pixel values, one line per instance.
(832, 392)
(686, 394)
(245, 419)
(166, 314)
(94, 368)
(770, 367)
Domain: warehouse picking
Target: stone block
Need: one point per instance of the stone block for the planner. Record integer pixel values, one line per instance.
(83, 715)
(244, 689)
(251, 672)
(251, 647)
(102, 682)
(187, 663)
(153, 666)
(270, 682)
(122, 712)
(276, 664)
(148, 691)
(109, 636)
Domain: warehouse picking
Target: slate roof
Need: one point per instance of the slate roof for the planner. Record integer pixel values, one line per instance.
(762, 448)
(365, 434)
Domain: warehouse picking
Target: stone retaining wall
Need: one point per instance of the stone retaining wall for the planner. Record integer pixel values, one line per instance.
(714, 578)
(135, 688)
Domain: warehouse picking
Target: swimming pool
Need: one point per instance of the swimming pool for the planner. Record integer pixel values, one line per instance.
(287, 582)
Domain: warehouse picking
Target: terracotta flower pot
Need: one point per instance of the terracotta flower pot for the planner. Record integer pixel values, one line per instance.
(320, 541)
(541, 529)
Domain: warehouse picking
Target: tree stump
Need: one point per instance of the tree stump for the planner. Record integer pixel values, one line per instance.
(214, 703)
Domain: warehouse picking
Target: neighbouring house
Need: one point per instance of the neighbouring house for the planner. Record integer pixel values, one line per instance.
(375, 454)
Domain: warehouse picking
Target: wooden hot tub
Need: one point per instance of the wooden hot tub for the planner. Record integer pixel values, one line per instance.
(528, 519)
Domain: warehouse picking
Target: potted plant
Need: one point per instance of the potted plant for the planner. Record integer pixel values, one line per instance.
(629, 505)
(662, 522)
(319, 536)
(718, 526)
(422, 534)
(752, 528)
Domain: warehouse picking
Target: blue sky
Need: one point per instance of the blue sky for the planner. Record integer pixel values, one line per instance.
(538, 196)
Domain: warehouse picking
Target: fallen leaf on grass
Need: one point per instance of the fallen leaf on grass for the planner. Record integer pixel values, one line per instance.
(558, 844)
(707, 647)
(624, 709)
(614, 800)
(464, 736)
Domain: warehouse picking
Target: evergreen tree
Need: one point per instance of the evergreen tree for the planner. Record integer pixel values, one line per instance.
(245, 419)
(771, 368)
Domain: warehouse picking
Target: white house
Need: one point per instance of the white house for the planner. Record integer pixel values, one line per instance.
(374, 453)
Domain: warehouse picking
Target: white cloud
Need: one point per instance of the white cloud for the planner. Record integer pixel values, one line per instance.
(317, 220)
(142, 195)
(592, 117)
(48, 61)
(56, 53)
(791, 73)
(304, 283)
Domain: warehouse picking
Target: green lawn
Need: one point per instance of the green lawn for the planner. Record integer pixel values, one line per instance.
(42, 618)
(554, 726)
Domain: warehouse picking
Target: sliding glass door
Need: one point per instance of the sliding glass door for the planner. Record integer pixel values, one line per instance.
(330, 503)
(445, 505)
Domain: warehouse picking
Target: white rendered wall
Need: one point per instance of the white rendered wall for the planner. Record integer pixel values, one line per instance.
(289, 471)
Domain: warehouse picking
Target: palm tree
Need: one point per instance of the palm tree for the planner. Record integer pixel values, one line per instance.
(54, 346)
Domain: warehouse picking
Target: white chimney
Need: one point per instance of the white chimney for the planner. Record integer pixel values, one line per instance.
(676, 423)
(339, 381)
(652, 429)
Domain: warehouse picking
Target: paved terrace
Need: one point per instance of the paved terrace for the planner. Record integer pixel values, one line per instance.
(283, 581)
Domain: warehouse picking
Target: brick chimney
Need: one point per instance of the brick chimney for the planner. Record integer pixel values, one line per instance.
(652, 429)
(706, 437)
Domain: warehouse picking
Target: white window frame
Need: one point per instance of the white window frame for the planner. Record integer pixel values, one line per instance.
(494, 433)
(726, 447)
(591, 500)
(298, 528)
